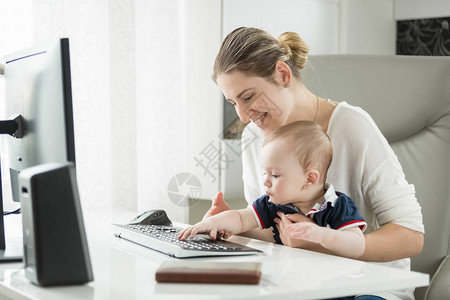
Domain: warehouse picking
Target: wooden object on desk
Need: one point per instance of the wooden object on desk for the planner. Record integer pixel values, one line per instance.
(209, 272)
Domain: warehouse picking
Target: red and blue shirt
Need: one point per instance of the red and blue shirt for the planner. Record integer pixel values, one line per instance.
(338, 211)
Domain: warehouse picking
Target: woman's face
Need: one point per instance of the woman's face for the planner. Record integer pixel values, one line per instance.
(255, 99)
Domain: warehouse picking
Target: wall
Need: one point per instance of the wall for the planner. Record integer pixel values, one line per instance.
(367, 27)
(316, 21)
(418, 9)
(203, 129)
(141, 113)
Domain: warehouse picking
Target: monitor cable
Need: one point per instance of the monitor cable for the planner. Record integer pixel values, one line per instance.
(13, 212)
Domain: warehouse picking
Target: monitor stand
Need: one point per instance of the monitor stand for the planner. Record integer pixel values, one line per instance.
(11, 248)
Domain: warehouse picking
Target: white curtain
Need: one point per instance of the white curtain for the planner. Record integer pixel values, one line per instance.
(127, 87)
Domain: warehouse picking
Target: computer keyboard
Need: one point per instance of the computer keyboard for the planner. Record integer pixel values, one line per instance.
(165, 239)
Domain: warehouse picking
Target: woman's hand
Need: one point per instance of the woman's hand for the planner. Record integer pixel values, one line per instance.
(218, 205)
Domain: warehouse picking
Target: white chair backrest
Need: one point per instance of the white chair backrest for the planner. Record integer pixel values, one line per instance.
(409, 99)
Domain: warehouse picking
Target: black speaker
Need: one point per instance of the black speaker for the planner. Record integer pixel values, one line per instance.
(55, 246)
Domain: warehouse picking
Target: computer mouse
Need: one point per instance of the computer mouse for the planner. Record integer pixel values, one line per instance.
(152, 217)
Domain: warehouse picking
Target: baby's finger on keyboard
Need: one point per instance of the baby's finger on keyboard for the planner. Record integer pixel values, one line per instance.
(195, 230)
(184, 233)
(226, 235)
(220, 234)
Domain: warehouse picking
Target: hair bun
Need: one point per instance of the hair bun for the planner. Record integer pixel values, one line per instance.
(296, 49)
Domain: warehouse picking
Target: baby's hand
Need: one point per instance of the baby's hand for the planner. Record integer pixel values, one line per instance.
(202, 227)
(307, 231)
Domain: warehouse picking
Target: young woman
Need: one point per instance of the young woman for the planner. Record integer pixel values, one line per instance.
(260, 76)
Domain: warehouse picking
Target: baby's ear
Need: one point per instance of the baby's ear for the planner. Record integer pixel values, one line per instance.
(312, 177)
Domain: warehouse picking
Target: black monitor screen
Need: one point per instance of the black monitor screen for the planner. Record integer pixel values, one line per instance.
(38, 87)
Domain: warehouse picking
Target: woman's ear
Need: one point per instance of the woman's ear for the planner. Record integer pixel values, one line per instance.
(283, 74)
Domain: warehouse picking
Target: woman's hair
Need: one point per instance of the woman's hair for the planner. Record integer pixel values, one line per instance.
(307, 141)
(255, 52)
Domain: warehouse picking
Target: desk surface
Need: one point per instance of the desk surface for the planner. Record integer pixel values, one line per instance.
(123, 270)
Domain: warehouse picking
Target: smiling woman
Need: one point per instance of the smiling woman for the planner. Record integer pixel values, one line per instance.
(364, 165)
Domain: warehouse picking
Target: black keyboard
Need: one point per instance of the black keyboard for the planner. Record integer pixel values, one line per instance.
(165, 239)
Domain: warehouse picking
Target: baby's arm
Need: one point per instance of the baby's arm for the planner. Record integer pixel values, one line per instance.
(348, 242)
(233, 221)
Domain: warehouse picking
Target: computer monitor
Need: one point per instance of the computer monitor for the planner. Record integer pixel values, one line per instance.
(38, 98)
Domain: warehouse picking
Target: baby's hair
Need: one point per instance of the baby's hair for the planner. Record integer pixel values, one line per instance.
(255, 52)
(308, 142)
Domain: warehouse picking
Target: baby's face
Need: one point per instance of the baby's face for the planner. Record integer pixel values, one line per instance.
(283, 175)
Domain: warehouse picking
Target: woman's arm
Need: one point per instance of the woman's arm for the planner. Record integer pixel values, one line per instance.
(392, 242)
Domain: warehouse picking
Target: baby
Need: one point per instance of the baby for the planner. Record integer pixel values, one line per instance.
(295, 159)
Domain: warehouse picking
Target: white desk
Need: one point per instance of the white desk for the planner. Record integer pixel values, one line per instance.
(123, 270)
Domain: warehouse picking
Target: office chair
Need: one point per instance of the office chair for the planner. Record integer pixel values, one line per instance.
(409, 99)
